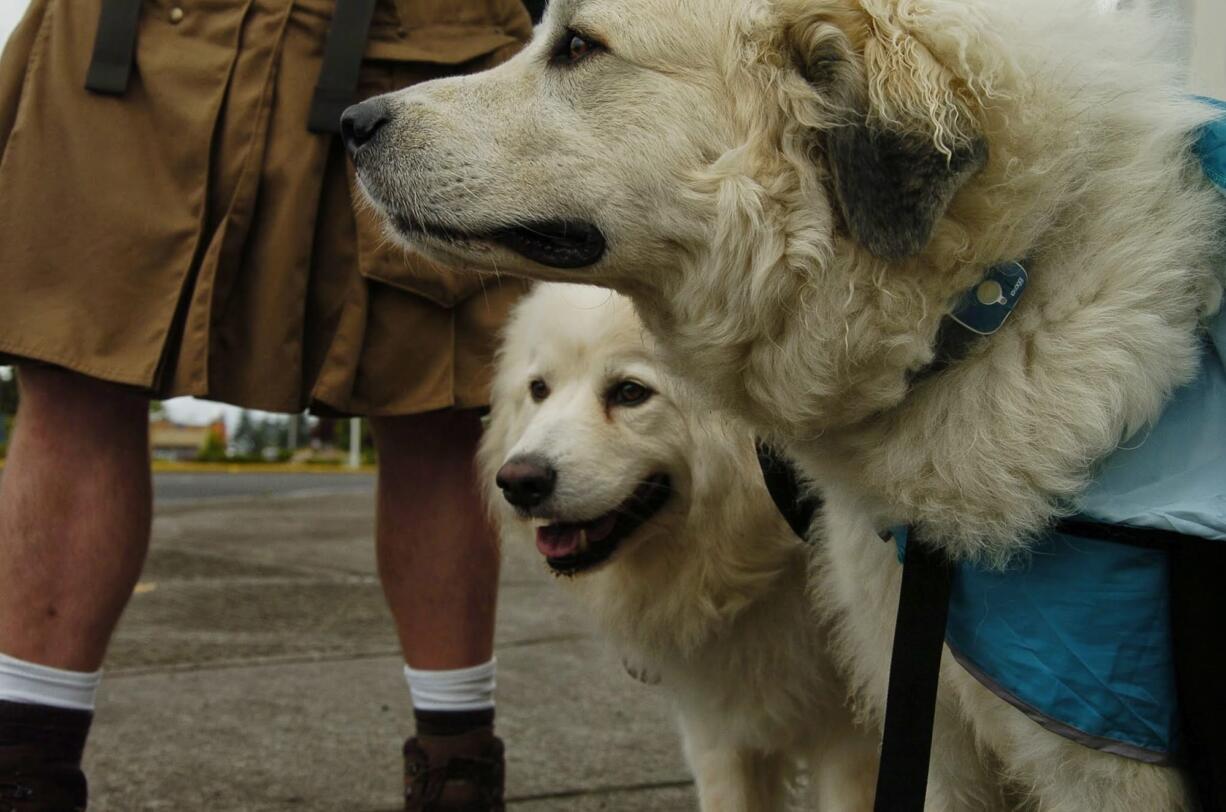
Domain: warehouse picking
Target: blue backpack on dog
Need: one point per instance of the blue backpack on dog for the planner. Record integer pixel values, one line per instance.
(1082, 635)
(1078, 636)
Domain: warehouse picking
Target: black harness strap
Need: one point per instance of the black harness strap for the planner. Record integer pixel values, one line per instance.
(953, 342)
(110, 68)
(796, 505)
(342, 64)
(1198, 612)
(915, 666)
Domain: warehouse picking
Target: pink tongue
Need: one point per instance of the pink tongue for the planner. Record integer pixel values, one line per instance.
(558, 541)
(561, 540)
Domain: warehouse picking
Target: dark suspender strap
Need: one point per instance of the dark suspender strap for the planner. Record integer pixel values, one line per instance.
(114, 47)
(338, 75)
(919, 636)
(536, 9)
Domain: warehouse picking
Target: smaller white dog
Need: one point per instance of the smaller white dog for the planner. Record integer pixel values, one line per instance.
(657, 508)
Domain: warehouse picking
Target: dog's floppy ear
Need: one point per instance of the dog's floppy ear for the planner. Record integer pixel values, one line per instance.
(893, 187)
(900, 142)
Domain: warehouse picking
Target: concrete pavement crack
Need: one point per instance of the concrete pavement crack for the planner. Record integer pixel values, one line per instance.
(614, 789)
(305, 659)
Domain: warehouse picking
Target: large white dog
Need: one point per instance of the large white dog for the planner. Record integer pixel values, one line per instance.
(795, 193)
(659, 512)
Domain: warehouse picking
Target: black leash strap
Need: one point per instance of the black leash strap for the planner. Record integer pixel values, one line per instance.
(919, 636)
(338, 76)
(110, 68)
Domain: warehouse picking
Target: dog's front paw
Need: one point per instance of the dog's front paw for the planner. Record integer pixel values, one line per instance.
(641, 673)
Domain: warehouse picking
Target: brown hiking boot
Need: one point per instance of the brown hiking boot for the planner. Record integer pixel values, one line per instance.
(462, 773)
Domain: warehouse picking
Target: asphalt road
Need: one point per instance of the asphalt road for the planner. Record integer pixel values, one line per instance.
(181, 487)
(256, 669)
(184, 487)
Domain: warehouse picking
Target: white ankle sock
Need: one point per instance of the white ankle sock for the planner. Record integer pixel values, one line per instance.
(35, 684)
(461, 689)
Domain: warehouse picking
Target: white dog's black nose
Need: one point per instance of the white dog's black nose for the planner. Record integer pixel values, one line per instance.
(526, 481)
(360, 122)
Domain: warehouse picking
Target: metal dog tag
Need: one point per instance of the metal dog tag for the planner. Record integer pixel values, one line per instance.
(985, 307)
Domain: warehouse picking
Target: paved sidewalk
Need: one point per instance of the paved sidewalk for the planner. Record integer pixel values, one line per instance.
(256, 669)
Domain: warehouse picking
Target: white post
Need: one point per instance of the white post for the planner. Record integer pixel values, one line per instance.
(355, 442)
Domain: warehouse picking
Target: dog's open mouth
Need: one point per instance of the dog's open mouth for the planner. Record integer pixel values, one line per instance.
(556, 243)
(573, 547)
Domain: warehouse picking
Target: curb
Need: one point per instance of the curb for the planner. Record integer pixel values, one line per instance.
(164, 467)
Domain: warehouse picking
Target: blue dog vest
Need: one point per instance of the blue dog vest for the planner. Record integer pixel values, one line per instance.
(1077, 635)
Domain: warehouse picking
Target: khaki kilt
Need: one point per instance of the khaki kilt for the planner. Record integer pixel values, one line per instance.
(191, 237)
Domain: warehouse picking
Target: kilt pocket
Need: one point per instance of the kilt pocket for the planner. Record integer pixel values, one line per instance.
(384, 261)
(456, 37)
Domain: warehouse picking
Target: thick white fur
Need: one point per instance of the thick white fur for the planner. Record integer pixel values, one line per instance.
(710, 595)
(695, 145)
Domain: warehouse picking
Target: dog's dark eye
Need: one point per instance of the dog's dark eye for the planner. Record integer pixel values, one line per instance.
(628, 393)
(574, 48)
(538, 389)
(578, 48)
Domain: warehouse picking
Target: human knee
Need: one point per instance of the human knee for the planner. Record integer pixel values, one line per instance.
(78, 401)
